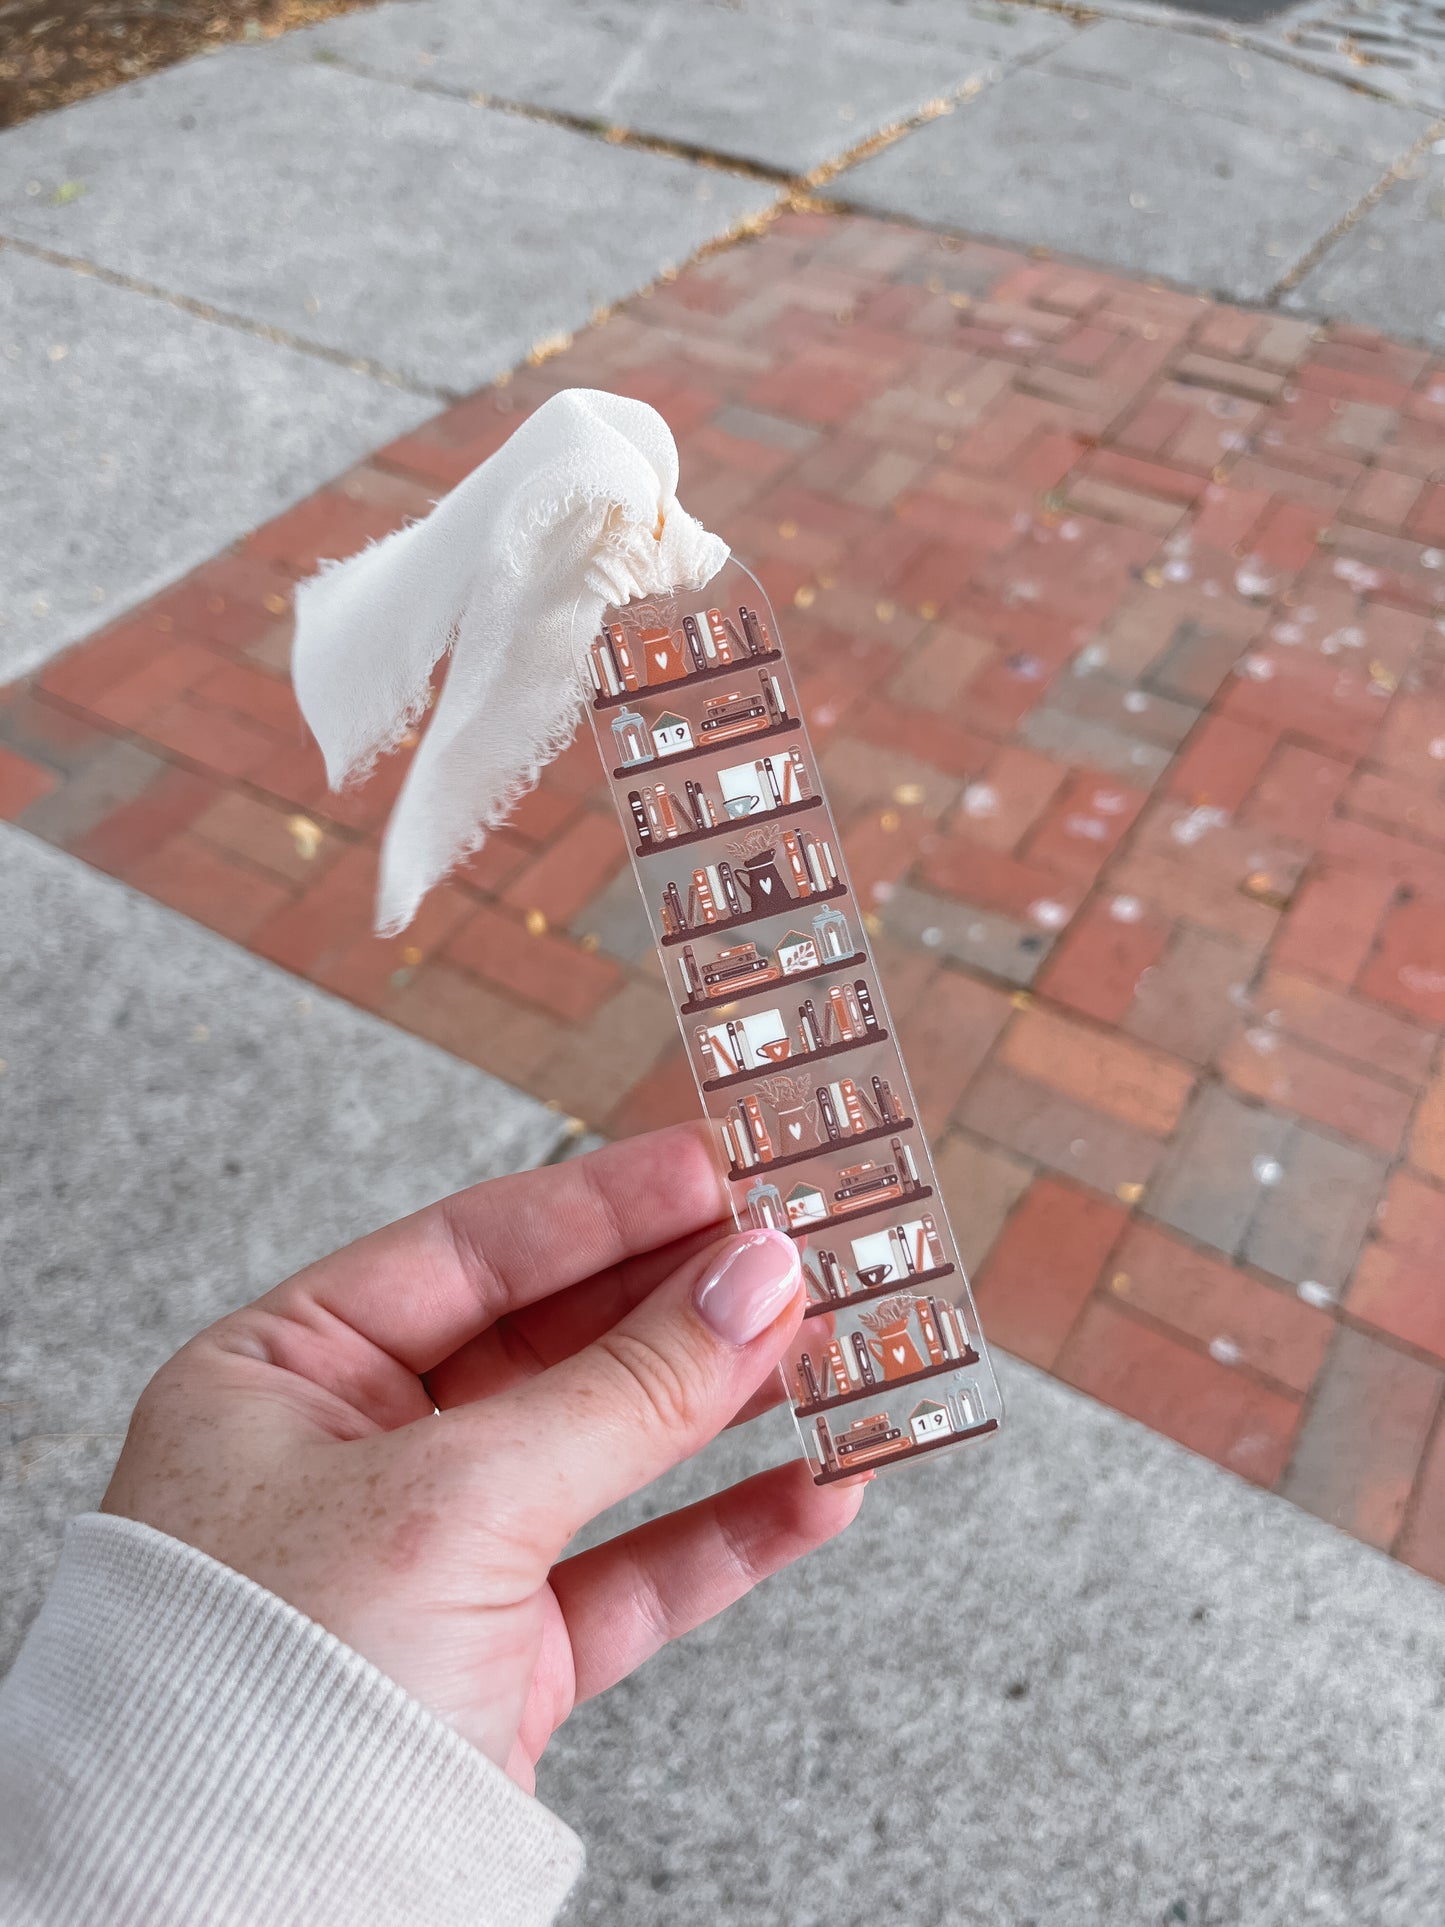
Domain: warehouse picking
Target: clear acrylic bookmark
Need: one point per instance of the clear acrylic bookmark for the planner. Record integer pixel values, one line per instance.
(797, 1064)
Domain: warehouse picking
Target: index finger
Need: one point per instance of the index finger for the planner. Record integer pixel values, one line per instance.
(420, 1288)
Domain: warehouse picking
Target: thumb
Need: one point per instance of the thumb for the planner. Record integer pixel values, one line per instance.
(647, 1394)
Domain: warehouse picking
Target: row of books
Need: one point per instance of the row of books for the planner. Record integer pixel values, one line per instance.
(619, 661)
(660, 814)
(715, 895)
(844, 1111)
(850, 1365)
(762, 1042)
(905, 1249)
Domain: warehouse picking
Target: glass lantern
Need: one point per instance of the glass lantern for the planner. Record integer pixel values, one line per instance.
(835, 939)
(634, 745)
(765, 1207)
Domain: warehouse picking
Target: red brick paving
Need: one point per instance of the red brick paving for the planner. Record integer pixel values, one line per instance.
(1122, 631)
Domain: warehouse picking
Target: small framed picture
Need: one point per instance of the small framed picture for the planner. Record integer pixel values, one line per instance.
(797, 952)
(805, 1204)
(750, 1043)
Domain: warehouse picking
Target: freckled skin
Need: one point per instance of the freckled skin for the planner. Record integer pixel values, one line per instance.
(299, 1441)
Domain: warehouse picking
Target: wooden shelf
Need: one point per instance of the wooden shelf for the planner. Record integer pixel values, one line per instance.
(819, 1306)
(744, 736)
(844, 1143)
(852, 1217)
(687, 681)
(733, 826)
(787, 1064)
(886, 1387)
(906, 1450)
(755, 986)
(793, 907)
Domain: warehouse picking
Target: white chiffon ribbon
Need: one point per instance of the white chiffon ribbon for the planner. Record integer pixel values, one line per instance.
(508, 573)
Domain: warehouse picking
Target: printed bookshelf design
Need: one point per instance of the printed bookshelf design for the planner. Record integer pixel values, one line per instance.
(691, 930)
(682, 682)
(799, 1057)
(835, 1218)
(821, 1305)
(698, 718)
(728, 994)
(739, 1172)
(909, 1449)
(653, 650)
(691, 753)
(831, 1403)
(654, 846)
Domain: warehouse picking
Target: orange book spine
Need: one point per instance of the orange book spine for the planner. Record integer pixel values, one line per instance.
(797, 863)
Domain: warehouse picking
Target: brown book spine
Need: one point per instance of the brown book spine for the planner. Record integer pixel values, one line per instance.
(625, 656)
(797, 863)
(722, 648)
(707, 911)
(866, 1374)
(828, 1115)
(604, 664)
(687, 963)
(855, 1011)
(841, 1019)
(706, 1051)
(757, 1128)
(798, 774)
(933, 1244)
(693, 637)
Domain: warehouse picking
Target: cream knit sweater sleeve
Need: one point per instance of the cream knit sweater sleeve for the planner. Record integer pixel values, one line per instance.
(178, 1746)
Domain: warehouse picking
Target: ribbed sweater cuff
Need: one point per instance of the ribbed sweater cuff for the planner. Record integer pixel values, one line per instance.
(177, 1745)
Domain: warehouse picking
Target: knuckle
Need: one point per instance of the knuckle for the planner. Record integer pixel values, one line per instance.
(671, 1397)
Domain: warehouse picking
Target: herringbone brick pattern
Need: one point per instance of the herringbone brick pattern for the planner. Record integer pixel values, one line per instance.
(1120, 619)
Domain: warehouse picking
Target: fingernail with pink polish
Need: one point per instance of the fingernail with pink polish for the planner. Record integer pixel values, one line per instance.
(751, 1284)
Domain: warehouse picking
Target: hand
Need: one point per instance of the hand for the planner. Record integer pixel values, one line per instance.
(402, 1439)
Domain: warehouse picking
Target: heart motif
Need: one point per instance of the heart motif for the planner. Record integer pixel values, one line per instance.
(795, 1131)
(660, 658)
(766, 885)
(899, 1354)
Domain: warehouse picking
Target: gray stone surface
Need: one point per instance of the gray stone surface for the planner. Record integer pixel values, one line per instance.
(1134, 179)
(770, 86)
(181, 1126)
(137, 439)
(1224, 1158)
(1309, 1227)
(1209, 76)
(1076, 1678)
(956, 932)
(1386, 271)
(439, 239)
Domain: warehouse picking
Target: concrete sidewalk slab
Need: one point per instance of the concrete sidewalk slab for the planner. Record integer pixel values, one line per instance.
(436, 238)
(1387, 270)
(136, 439)
(181, 1126)
(766, 88)
(1205, 75)
(1140, 181)
(1075, 1679)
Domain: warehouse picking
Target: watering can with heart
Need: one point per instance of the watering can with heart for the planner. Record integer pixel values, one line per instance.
(892, 1343)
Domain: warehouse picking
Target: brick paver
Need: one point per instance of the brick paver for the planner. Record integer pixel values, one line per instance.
(1121, 625)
